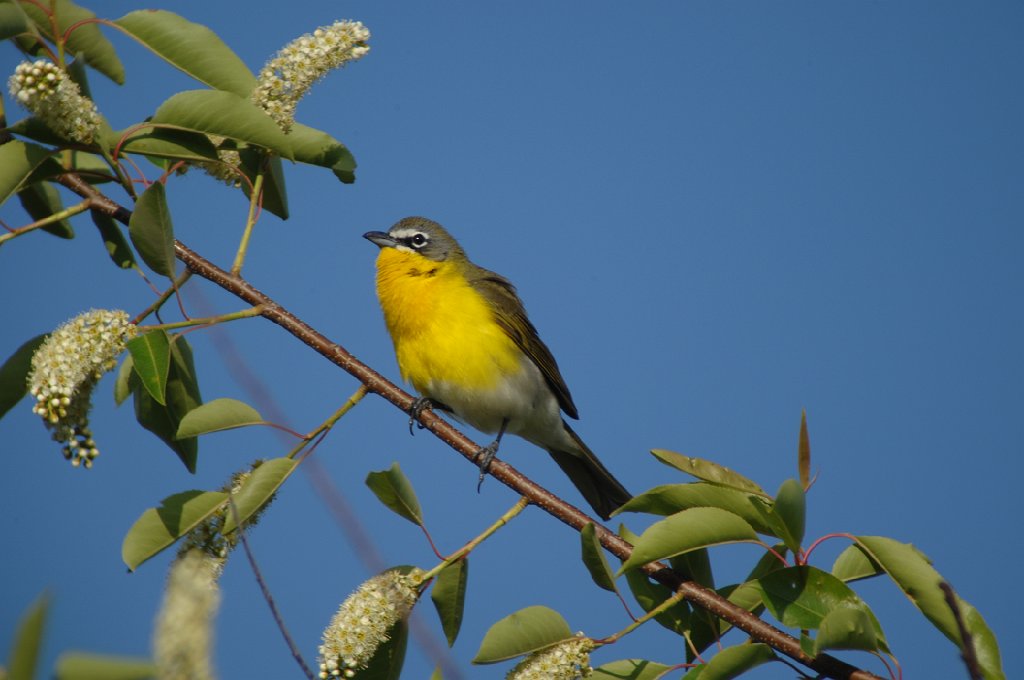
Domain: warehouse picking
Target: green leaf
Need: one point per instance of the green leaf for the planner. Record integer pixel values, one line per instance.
(853, 564)
(708, 471)
(35, 128)
(790, 508)
(122, 383)
(18, 161)
(846, 628)
(671, 498)
(801, 597)
(14, 373)
(191, 48)
(449, 597)
(40, 201)
(389, 658)
(151, 358)
(649, 595)
(319, 148)
(806, 643)
(80, 76)
(985, 646)
(28, 639)
(85, 666)
(275, 197)
(527, 630)
(182, 396)
(152, 231)
(734, 661)
(86, 40)
(92, 167)
(594, 559)
(694, 566)
(258, 490)
(216, 112)
(12, 21)
(919, 581)
(803, 456)
(688, 530)
(170, 143)
(158, 528)
(113, 240)
(709, 629)
(631, 669)
(394, 490)
(217, 415)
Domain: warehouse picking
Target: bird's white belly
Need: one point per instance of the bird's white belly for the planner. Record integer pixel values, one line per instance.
(524, 399)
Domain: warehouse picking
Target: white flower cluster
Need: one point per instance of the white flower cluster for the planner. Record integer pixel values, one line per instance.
(299, 64)
(45, 90)
(183, 635)
(363, 621)
(64, 371)
(569, 660)
(226, 169)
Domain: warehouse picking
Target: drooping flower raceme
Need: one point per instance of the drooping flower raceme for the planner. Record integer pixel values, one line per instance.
(66, 368)
(363, 621)
(183, 635)
(47, 91)
(302, 62)
(569, 660)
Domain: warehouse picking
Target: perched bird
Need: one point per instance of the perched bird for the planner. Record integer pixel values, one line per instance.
(464, 342)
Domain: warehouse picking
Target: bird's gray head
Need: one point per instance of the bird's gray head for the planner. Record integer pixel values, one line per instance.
(418, 235)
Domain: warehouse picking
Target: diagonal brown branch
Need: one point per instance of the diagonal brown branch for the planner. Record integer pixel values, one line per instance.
(698, 595)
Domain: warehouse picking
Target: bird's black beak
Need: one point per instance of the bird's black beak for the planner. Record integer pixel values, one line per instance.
(380, 238)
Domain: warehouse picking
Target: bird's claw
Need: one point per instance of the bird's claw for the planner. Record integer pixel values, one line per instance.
(418, 406)
(484, 457)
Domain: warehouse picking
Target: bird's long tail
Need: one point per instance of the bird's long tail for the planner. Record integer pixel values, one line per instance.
(598, 486)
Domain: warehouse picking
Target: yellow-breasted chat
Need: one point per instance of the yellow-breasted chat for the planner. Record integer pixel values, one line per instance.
(464, 342)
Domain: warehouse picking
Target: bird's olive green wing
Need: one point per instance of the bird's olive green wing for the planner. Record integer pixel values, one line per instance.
(511, 316)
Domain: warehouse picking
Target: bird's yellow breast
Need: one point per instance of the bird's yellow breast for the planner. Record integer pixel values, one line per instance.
(443, 329)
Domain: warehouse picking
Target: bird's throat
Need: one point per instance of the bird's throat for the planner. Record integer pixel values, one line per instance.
(443, 329)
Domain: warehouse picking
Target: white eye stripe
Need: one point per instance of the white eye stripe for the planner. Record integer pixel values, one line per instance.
(405, 232)
(410, 238)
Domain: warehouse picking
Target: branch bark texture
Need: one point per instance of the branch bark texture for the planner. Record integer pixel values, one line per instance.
(693, 592)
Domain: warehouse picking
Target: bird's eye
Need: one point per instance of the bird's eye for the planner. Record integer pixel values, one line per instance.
(418, 240)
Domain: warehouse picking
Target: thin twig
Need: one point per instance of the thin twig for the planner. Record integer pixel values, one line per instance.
(266, 593)
(164, 297)
(46, 221)
(344, 515)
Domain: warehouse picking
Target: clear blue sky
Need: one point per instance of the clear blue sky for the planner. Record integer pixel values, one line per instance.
(718, 214)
